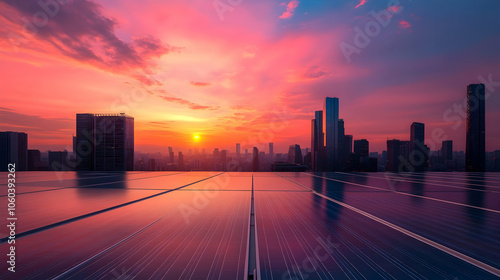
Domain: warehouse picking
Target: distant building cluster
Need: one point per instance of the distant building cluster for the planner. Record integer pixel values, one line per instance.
(105, 142)
(332, 150)
(250, 159)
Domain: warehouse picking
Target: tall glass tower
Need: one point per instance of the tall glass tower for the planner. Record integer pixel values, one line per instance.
(317, 146)
(331, 131)
(475, 135)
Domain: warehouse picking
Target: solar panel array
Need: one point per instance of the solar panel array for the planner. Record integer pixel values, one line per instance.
(197, 225)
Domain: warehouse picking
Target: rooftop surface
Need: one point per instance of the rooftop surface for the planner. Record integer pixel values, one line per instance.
(213, 225)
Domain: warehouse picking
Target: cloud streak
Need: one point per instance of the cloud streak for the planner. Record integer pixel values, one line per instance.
(361, 3)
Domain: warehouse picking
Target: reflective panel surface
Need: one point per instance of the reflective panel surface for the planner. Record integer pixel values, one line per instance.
(198, 225)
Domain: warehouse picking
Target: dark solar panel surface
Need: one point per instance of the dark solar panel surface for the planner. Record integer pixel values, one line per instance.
(195, 225)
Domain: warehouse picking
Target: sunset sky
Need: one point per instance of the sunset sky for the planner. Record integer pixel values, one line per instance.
(245, 71)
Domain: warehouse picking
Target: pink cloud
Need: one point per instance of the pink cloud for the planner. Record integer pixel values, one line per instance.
(394, 9)
(403, 24)
(290, 9)
(360, 3)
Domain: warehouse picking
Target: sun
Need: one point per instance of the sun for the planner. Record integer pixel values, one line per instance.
(196, 137)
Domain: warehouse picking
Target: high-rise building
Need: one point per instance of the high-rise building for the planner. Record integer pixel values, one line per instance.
(497, 160)
(58, 161)
(105, 142)
(238, 149)
(295, 154)
(14, 149)
(341, 134)
(271, 150)
(447, 150)
(404, 148)
(255, 159)
(330, 130)
(181, 161)
(361, 148)
(393, 155)
(34, 160)
(418, 152)
(216, 159)
(475, 135)
(317, 146)
(348, 144)
(223, 156)
(171, 155)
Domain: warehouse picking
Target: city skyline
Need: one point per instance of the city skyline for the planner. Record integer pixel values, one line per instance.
(194, 142)
(176, 88)
(105, 142)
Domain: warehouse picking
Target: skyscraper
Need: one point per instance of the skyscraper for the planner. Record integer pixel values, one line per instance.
(475, 135)
(330, 130)
(255, 159)
(341, 134)
(393, 155)
(181, 161)
(105, 142)
(58, 161)
(348, 144)
(361, 148)
(34, 160)
(171, 155)
(238, 150)
(295, 154)
(317, 146)
(447, 150)
(223, 156)
(404, 156)
(418, 152)
(14, 149)
(271, 150)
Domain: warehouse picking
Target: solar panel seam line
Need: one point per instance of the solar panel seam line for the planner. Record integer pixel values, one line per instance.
(404, 193)
(344, 260)
(454, 177)
(100, 184)
(279, 228)
(247, 254)
(429, 242)
(55, 180)
(436, 245)
(105, 250)
(251, 257)
(257, 256)
(445, 243)
(60, 223)
(211, 228)
(428, 182)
